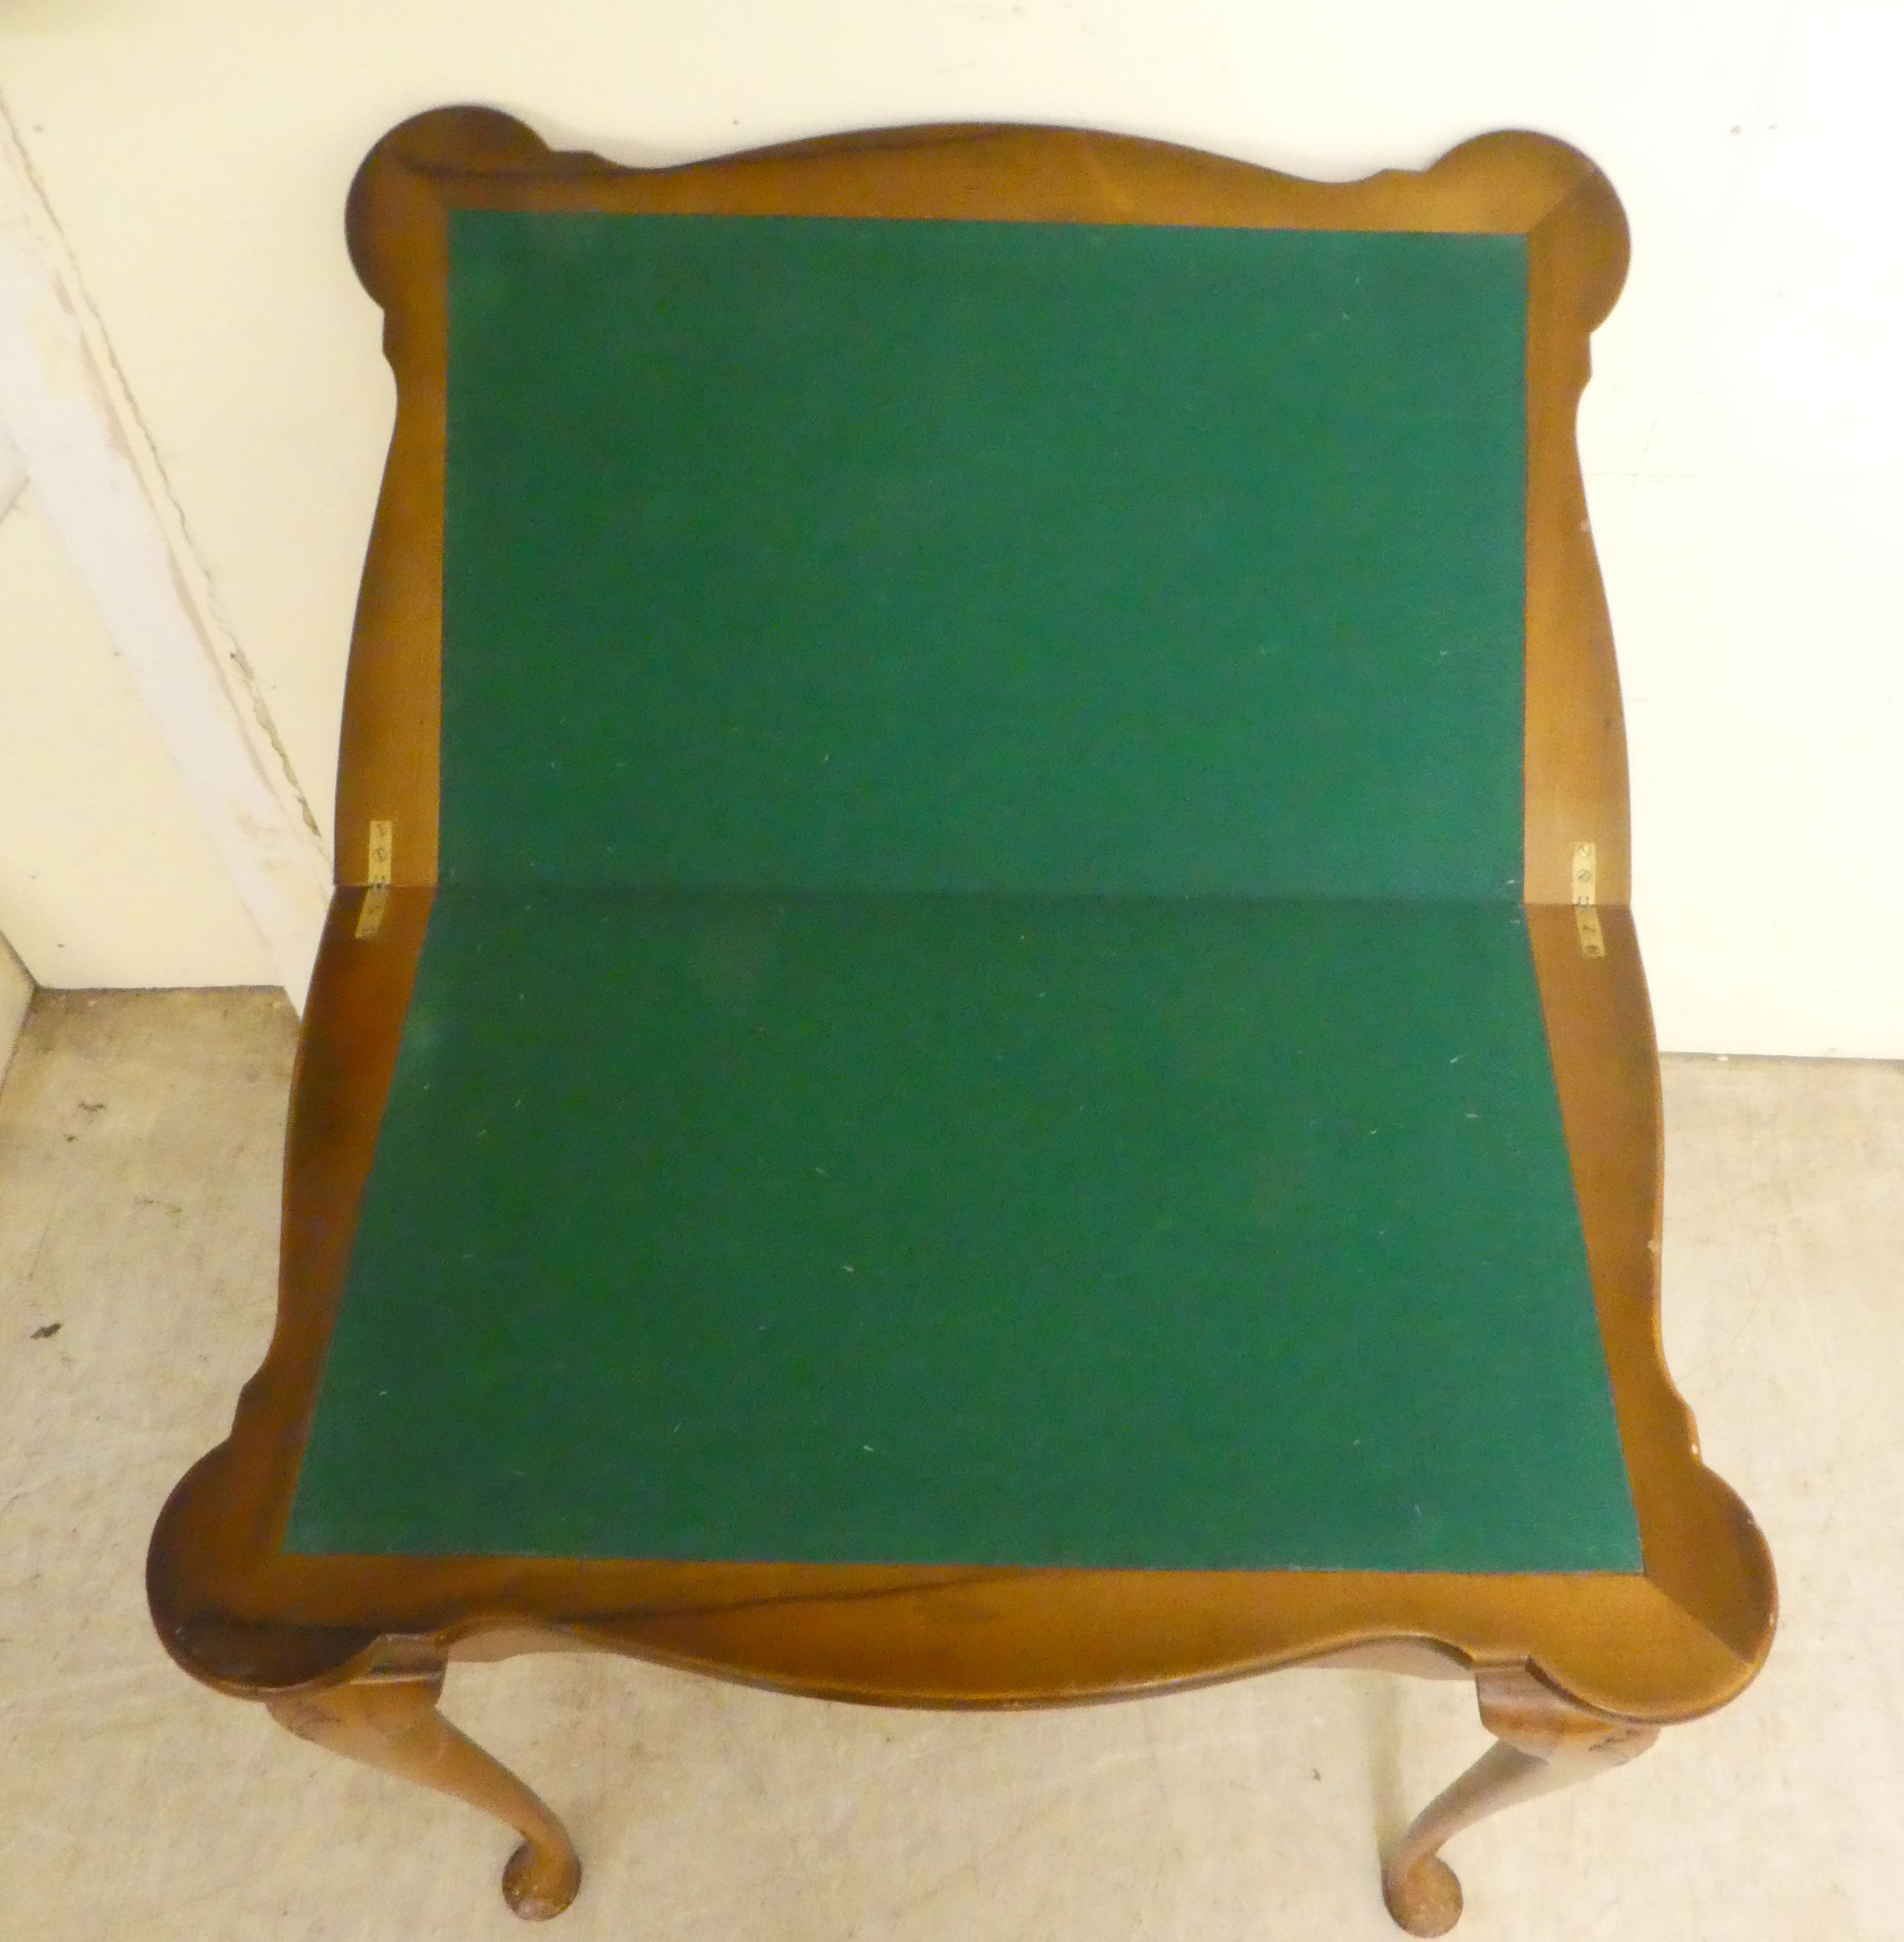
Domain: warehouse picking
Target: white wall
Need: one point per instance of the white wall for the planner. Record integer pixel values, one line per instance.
(107, 876)
(1739, 437)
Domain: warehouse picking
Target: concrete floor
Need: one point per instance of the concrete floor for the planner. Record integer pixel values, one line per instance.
(139, 1145)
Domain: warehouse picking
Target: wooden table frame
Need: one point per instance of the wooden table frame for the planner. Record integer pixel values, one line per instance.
(1573, 1672)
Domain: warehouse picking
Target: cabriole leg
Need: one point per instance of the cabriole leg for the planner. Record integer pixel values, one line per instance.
(1544, 1742)
(388, 1718)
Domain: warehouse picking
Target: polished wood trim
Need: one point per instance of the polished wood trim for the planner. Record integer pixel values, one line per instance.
(1575, 752)
(1679, 1639)
(1542, 1741)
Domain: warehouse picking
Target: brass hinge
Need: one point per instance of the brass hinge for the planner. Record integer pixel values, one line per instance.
(370, 916)
(1586, 916)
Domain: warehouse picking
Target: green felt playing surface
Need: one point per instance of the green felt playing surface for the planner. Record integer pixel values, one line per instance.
(806, 555)
(979, 1010)
(998, 1230)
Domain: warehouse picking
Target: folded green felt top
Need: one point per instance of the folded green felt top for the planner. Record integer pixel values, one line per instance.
(1117, 1232)
(825, 555)
(979, 1011)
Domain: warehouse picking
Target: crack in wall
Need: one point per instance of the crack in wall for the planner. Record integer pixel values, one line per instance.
(191, 574)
